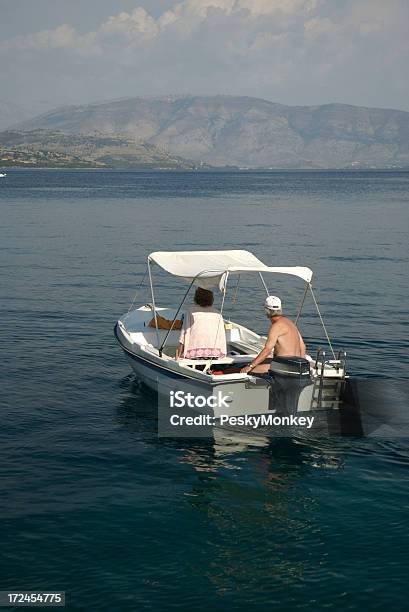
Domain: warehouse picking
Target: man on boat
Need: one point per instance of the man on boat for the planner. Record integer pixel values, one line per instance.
(283, 339)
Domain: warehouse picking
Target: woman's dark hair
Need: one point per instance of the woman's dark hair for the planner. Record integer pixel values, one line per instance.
(203, 297)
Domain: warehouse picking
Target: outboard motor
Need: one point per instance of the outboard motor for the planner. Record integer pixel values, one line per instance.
(289, 376)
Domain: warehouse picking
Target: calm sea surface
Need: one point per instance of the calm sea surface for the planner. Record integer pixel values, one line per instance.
(92, 502)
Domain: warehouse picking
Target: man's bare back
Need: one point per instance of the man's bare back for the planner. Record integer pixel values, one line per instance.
(283, 340)
(289, 342)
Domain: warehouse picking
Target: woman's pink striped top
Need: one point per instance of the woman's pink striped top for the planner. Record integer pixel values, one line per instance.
(203, 333)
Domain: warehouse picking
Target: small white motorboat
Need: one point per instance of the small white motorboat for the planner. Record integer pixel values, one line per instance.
(3, 174)
(151, 351)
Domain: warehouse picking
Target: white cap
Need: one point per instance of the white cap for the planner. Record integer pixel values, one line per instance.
(273, 303)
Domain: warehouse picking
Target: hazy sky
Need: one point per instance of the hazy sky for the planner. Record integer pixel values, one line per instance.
(289, 51)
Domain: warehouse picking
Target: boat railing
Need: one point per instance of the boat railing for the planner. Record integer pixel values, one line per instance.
(338, 364)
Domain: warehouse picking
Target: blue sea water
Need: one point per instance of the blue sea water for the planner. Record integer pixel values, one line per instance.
(92, 502)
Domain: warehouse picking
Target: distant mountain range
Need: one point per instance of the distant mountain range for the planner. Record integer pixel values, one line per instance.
(242, 131)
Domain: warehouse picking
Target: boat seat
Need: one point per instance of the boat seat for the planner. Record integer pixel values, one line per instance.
(196, 362)
(237, 359)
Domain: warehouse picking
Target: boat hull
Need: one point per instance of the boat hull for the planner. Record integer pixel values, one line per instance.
(242, 399)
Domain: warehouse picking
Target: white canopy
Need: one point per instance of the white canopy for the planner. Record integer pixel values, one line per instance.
(213, 266)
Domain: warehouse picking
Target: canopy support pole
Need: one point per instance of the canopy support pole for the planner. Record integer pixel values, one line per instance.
(264, 284)
(234, 300)
(138, 289)
(174, 319)
(153, 301)
(209, 362)
(224, 294)
(302, 303)
(322, 320)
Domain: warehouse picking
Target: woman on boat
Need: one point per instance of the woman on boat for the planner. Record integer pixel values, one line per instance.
(202, 335)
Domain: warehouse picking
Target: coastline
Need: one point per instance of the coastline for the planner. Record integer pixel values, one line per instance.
(209, 170)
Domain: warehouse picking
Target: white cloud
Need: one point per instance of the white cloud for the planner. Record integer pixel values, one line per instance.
(62, 37)
(139, 25)
(134, 24)
(290, 50)
(270, 7)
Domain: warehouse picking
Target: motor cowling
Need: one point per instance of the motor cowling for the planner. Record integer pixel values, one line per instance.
(294, 367)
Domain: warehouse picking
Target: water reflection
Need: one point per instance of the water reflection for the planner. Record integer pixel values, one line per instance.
(256, 509)
(227, 449)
